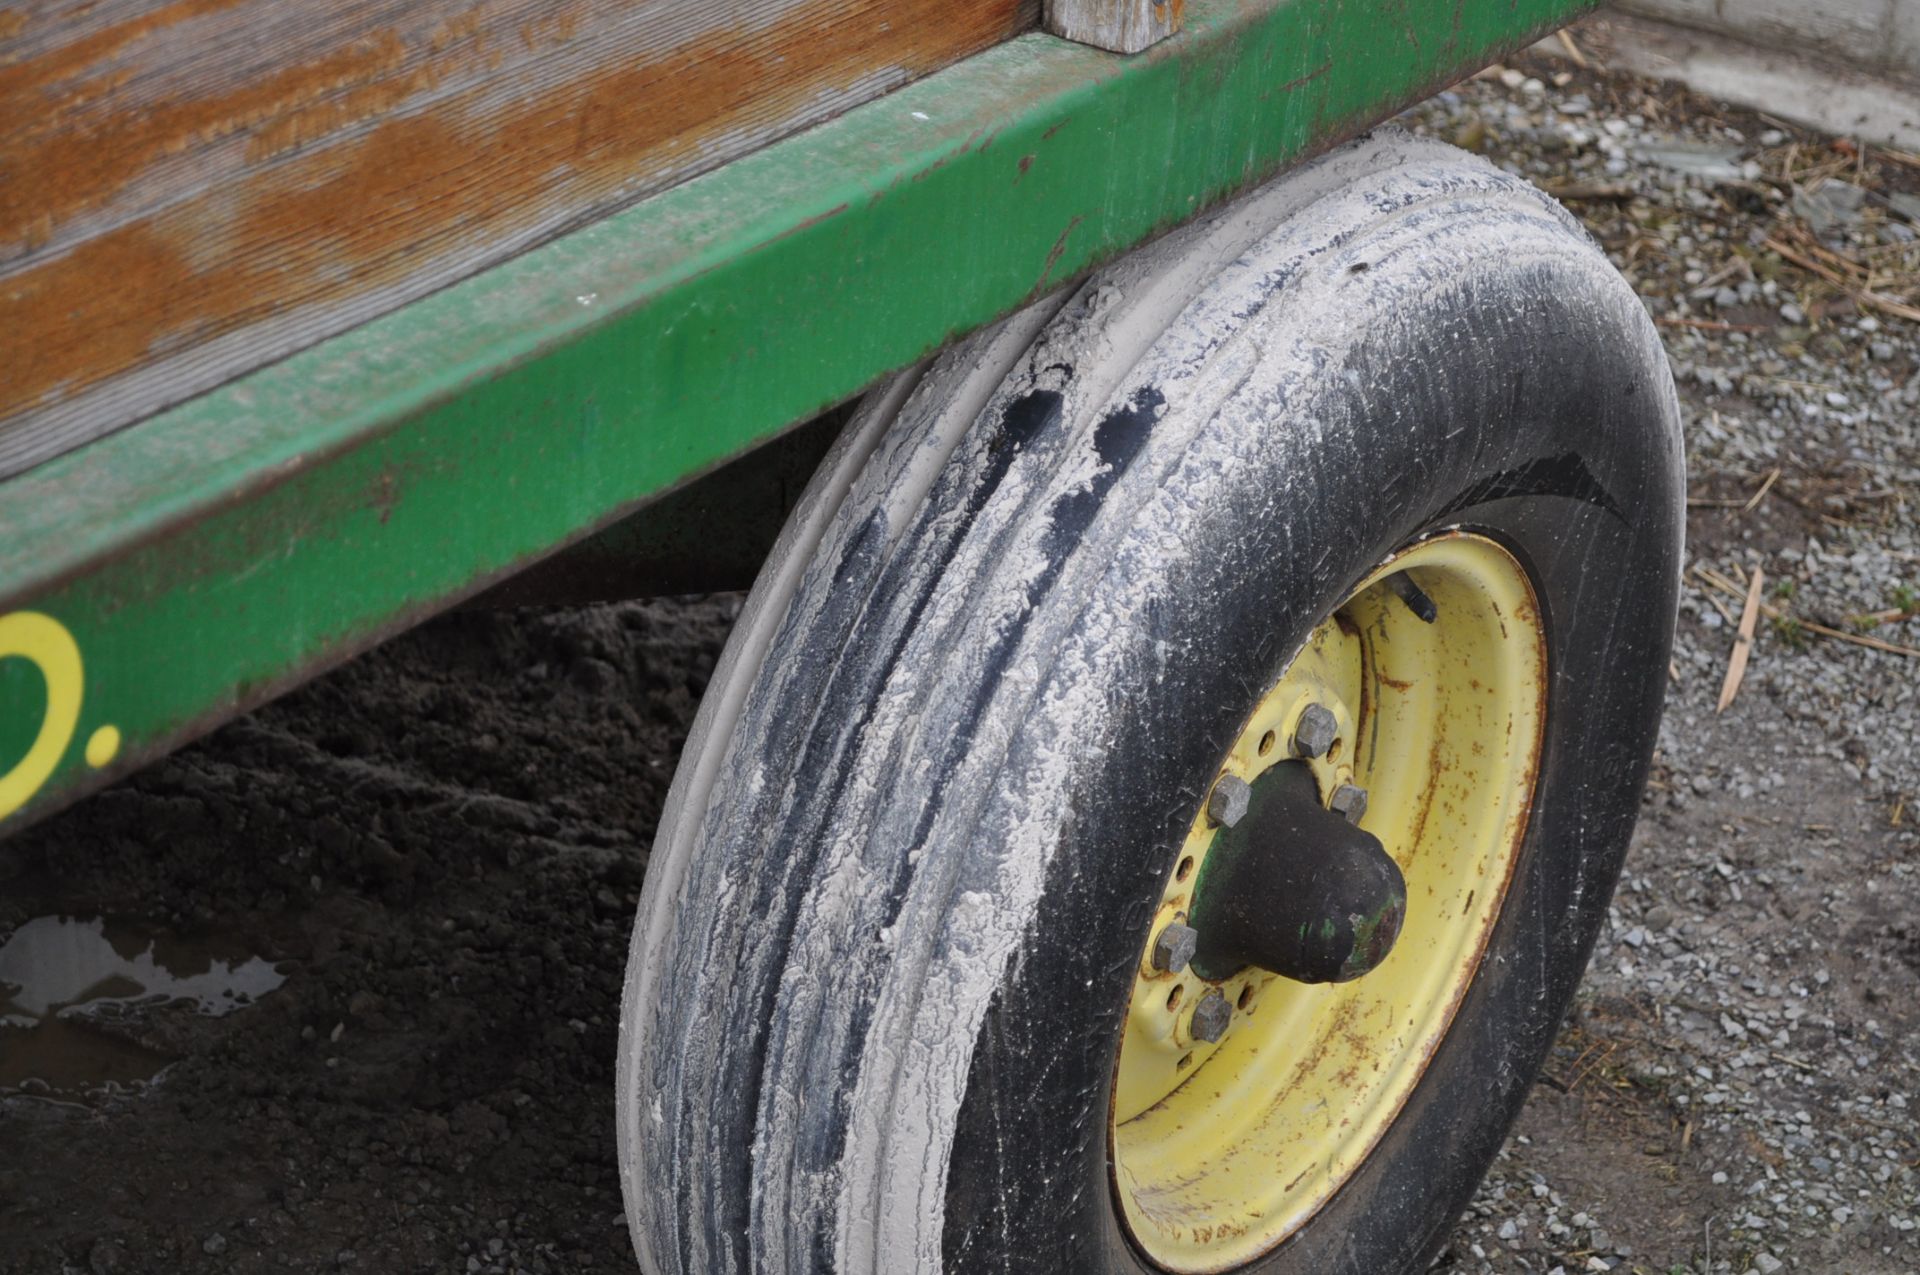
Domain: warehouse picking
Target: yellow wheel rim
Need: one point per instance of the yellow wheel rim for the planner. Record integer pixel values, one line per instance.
(1222, 1150)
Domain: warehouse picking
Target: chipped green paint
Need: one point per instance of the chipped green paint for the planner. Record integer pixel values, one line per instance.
(229, 548)
(1373, 937)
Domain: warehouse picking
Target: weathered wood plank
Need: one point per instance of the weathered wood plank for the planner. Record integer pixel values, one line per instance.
(1122, 26)
(192, 188)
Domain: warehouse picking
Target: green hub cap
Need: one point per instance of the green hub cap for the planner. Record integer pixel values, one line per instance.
(1296, 890)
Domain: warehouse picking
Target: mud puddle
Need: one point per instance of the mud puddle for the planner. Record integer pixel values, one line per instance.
(66, 983)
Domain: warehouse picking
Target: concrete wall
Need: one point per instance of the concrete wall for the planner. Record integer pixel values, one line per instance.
(1881, 37)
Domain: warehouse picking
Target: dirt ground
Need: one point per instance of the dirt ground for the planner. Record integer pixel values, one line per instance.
(441, 846)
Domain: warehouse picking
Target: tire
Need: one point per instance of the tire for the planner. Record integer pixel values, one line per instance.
(899, 898)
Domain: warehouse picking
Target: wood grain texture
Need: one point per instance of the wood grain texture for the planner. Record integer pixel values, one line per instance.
(1123, 26)
(192, 188)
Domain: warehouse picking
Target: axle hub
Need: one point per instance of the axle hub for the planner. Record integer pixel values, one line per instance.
(1295, 889)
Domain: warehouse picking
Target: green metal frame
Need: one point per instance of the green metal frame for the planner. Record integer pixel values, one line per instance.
(229, 548)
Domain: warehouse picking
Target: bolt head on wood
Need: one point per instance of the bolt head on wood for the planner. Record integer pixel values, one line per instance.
(1174, 947)
(1349, 800)
(1316, 731)
(1210, 1017)
(1227, 803)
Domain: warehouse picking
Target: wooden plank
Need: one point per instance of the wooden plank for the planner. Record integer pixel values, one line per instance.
(190, 189)
(1122, 26)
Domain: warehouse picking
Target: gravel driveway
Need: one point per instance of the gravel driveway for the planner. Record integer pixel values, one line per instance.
(400, 896)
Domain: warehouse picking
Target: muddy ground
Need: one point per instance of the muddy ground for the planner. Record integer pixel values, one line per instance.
(441, 845)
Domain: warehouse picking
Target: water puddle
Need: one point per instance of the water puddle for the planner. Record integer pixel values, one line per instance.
(66, 981)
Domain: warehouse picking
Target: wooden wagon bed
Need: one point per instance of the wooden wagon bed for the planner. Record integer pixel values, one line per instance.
(190, 189)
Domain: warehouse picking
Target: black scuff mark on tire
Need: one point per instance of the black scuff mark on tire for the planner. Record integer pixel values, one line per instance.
(1117, 439)
(862, 555)
(1024, 420)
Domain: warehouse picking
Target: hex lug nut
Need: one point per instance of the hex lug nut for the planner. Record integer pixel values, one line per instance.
(1316, 731)
(1210, 1017)
(1227, 803)
(1174, 946)
(1349, 800)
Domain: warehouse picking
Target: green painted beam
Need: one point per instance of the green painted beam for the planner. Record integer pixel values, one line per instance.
(225, 550)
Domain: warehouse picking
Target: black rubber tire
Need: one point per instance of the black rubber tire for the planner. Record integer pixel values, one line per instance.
(884, 954)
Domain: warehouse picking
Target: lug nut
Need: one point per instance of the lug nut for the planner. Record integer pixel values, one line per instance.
(1210, 1017)
(1227, 803)
(1316, 731)
(1174, 946)
(1349, 800)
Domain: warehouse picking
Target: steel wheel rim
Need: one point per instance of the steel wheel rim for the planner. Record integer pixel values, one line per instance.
(1220, 1151)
